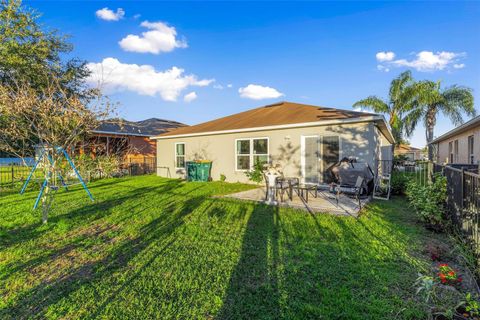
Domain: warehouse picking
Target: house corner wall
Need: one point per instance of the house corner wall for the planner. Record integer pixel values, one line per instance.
(356, 139)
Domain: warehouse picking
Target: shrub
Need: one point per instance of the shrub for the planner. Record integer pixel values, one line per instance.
(399, 183)
(100, 166)
(447, 275)
(223, 177)
(256, 175)
(108, 165)
(472, 306)
(428, 200)
(400, 157)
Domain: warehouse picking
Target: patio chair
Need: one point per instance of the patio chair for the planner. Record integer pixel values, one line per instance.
(286, 185)
(356, 190)
(282, 185)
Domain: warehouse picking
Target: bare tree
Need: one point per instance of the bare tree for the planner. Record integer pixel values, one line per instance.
(48, 118)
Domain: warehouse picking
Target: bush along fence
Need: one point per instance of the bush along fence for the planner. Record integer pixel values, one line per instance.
(462, 200)
(447, 199)
(13, 176)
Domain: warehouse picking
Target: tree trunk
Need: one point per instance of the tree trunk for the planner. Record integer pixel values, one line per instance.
(430, 125)
(45, 204)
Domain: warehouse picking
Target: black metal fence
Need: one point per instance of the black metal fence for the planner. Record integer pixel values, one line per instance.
(13, 176)
(137, 168)
(463, 203)
(463, 199)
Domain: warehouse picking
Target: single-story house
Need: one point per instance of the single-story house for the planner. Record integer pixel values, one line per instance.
(460, 145)
(409, 152)
(131, 139)
(302, 139)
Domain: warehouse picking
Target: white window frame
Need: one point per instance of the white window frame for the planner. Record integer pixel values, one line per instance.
(184, 155)
(471, 153)
(250, 154)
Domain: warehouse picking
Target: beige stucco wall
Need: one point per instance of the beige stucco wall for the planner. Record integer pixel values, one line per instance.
(443, 155)
(356, 139)
(383, 146)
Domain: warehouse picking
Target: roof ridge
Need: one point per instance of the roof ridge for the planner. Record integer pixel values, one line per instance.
(279, 113)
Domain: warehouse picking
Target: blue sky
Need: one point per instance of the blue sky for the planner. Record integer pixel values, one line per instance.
(240, 55)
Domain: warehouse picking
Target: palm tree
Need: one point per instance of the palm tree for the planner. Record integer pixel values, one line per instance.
(432, 100)
(400, 97)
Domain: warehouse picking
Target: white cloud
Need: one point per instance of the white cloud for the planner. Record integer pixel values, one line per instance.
(189, 97)
(113, 76)
(359, 109)
(383, 56)
(257, 92)
(137, 16)
(218, 86)
(229, 85)
(429, 61)
(383, 68)
(424, 61)
(159, 38)
(110, 15)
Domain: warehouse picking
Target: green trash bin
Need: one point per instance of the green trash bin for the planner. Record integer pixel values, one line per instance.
(198, 170)
(203, 171)
(191, 171)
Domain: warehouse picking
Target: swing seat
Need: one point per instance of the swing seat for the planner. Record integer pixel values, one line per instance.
(55, 188)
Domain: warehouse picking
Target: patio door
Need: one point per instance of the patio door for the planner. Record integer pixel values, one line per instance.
(318, 154)
(330, 155)
(311, 159)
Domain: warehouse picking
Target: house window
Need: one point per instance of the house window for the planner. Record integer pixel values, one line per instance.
(179, 155)
(471, 157)
(450, 151)
(243, 154)
(250, 151)
(455, 150)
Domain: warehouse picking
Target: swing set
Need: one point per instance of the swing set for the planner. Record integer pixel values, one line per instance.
(50, 180)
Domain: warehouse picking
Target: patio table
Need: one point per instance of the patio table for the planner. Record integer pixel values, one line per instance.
(305, 189)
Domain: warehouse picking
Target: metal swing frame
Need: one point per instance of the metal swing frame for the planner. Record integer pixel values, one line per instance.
(45, 181)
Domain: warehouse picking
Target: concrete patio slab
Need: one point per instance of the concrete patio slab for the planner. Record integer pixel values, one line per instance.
(324, 203)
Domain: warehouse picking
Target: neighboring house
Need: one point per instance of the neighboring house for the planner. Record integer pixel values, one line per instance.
(303, 139)
(128, 138)
(460, 145)
(409, 152)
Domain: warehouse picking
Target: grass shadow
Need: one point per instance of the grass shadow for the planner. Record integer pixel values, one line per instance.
(253, 287)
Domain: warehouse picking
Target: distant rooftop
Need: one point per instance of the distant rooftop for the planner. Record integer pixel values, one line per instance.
(472, 123)
(148, 127)
(406, 147)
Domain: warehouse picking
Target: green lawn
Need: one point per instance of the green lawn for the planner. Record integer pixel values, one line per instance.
(157, 248)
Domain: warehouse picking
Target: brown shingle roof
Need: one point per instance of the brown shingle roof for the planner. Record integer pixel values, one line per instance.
(281, 113)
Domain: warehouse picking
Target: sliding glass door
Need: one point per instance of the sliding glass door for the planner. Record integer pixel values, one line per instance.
(318, 154)
(310, 159)
(330, 155)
